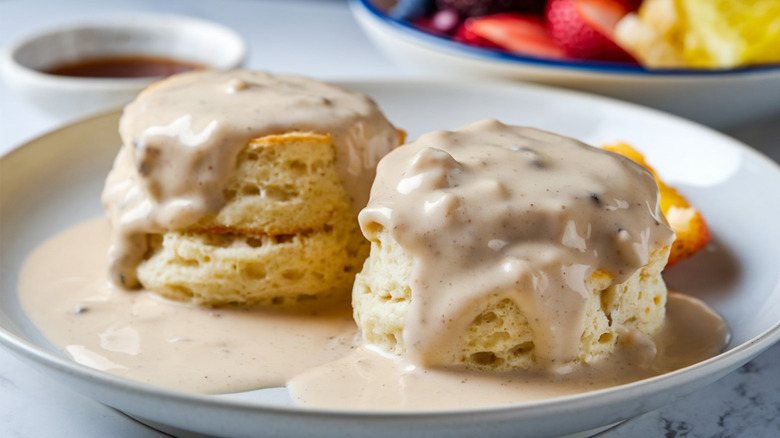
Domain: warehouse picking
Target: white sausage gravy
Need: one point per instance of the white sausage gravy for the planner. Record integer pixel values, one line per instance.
(135, 334)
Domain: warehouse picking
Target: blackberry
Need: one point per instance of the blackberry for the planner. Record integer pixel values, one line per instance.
(474, 8)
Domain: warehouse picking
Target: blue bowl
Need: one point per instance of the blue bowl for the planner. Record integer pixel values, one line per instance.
(720, 98)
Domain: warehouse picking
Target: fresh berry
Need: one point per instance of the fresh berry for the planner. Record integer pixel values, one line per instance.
(517, 33)
(464, 34)
(477, 8)
(445, 21)
(633, 5)
(584, 28)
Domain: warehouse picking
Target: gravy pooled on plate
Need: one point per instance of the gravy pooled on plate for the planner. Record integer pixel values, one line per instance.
(317, 354)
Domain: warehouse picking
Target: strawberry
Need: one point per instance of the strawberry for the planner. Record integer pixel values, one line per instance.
(633, 5)
(463, 34)
(584, 28)
(517, 33)
(686, 221)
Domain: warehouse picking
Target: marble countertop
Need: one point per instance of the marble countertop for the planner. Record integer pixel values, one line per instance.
(746, 403)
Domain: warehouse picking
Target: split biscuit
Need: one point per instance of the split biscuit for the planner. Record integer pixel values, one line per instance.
(286, 234)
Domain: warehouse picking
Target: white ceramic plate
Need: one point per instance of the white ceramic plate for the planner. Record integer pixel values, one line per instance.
(718, 98)
(55, 181)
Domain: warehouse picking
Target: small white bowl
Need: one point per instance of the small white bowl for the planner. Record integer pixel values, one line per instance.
(24, 62)
(718, 98)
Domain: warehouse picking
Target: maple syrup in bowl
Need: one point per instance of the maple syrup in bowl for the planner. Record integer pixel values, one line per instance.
(125, 67)
(101, 64)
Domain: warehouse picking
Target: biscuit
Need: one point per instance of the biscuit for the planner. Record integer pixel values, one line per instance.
(499, 338)
(501, 247)
(286, 233)
(243, 187)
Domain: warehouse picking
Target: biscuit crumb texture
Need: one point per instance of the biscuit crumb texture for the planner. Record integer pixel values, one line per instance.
(286, 235)
(499, 337)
